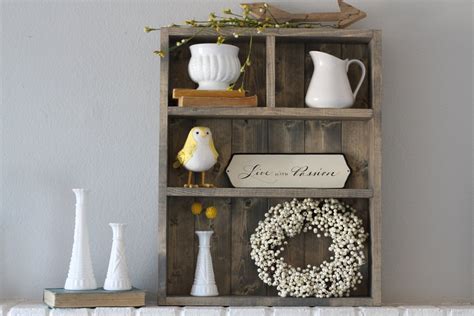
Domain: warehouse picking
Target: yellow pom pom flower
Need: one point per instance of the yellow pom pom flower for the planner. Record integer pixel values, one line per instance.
(196, 208)
(211, 212)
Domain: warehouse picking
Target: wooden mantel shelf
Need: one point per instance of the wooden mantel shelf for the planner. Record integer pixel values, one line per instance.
(273, 113)
(270, 192)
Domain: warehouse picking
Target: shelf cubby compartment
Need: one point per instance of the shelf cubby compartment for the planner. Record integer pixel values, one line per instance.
(294, 69)
(279, 76)
(234, 270)
(274, 136)
(254, 81)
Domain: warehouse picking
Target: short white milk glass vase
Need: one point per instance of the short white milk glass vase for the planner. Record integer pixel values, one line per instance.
(117, 274)
(214, 66)
(204, 282)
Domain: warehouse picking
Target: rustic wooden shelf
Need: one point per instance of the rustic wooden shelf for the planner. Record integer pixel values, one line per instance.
(279, 76)
(263, 300)
(329, 35)
(270, 193)
(273, 113)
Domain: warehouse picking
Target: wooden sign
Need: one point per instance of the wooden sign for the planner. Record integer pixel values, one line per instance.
(288, 170)
(347, 15)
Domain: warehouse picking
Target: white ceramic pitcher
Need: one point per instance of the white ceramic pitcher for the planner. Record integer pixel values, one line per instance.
(329, 87)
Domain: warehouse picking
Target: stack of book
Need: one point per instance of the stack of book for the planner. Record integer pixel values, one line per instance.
(61, 298)
(208, 98)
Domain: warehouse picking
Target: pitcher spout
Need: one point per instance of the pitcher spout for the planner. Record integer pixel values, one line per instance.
(321, 57)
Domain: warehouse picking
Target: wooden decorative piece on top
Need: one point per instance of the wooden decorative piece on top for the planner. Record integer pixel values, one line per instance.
(347, 16)
(328, 218)
(288, 170)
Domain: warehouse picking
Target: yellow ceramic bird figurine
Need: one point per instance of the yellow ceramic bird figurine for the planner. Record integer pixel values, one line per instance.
(197, 155)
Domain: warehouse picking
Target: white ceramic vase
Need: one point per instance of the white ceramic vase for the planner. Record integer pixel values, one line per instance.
(214, 66)
(81, 274)
(329, 86)
(117, 274)
(204, 282)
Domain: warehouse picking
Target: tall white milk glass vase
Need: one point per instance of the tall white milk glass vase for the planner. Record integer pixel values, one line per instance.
(81, 274)
(117, 275)
(204, 282)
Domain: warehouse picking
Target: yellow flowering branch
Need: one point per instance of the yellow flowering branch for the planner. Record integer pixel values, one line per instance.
(243, 68)
(232, 19)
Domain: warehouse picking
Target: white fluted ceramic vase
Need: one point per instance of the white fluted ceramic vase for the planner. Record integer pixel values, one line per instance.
(204, 282)
(81, 274)
(117, 274)
(214, 66)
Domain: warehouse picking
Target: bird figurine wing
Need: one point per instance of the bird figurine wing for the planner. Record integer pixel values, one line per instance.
(186, 153)
(213, 149)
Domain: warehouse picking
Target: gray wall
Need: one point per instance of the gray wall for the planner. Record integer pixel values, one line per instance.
(80, 109)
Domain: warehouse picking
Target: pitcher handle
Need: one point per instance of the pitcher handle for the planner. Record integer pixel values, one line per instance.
(361, 65)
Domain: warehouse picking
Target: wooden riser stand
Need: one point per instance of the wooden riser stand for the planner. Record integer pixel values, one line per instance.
(279, 77)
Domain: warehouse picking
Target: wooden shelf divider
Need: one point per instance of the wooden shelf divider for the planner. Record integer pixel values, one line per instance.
(270, 70)
(270, 192)
(273, 113)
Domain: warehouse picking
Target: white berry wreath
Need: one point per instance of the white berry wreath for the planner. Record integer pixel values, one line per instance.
(328, 217)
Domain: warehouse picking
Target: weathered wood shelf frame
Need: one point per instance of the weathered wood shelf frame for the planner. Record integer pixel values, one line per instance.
(276, 107)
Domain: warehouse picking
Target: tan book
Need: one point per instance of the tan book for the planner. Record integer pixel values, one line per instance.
(93, 298)
(177, 93)
(212, 102)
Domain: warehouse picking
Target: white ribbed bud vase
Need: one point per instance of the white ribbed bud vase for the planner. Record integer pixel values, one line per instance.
(214, 66)
(81, 274)
(117, 274)
(204, 282)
